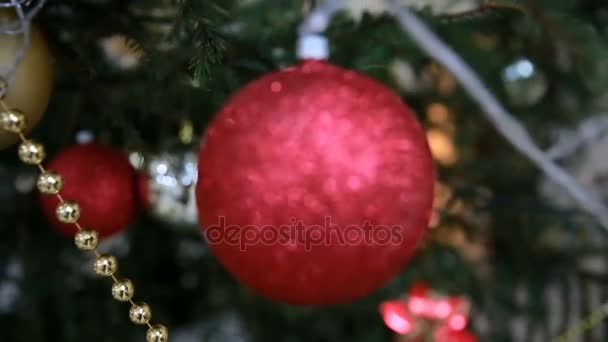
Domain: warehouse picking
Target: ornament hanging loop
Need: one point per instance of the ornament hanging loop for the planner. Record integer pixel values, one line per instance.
(312, 44)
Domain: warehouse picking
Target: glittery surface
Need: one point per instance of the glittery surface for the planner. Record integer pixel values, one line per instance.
(305, 144)
(167, 188)
(102, 181)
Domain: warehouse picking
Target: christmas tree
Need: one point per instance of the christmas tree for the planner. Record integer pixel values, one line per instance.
(121, 145)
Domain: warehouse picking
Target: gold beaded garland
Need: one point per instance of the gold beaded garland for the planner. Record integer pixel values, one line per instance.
(50, 183)
(13, 121)
(86, 239)
(140, 313)
(105, 265)
(157, 333)
(123, 290)
(31, 152)
(68, 212)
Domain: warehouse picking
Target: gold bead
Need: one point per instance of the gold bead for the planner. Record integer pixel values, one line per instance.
(105, 265)
(157, 333)
(140, 313)
(12, 121)
(86, 239)
(123, 290)
(50, 183)
(31, 152)
(68, 212)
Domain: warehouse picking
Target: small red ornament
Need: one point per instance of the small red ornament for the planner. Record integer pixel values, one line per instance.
(315, 184)
(102, 181)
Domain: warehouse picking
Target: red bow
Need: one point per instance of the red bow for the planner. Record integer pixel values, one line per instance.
(425, 312)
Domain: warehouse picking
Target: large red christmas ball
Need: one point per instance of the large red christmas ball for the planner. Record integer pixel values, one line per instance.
(102, 181)
(315, 184)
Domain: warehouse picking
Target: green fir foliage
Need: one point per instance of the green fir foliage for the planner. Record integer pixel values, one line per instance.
(195, 53)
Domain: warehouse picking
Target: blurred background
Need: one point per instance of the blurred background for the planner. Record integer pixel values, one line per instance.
(147, 76)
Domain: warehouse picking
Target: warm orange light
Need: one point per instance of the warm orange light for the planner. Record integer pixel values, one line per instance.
(442, 147)
(444, 81)
(443, 194)
(438, 113)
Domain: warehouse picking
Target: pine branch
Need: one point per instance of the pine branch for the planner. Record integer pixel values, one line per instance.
(202, 36)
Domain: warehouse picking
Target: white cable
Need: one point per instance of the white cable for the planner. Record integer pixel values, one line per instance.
(319, 18)
(502, 120)
(586, 133)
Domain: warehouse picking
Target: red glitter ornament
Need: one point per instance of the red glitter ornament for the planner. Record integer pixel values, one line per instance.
(315, 184)
(102, 181)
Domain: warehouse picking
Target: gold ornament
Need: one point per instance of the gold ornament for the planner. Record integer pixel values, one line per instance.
(157, 333)
(31, 152)
(50, 183)
(140, 313)
(86, 239)
(12, 121)
(68, 212)
(105, 265)
(29, 89)
(123, 290)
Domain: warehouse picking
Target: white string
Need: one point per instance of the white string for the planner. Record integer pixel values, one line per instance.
(319, 18)
(568, 142)
(496, 113)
